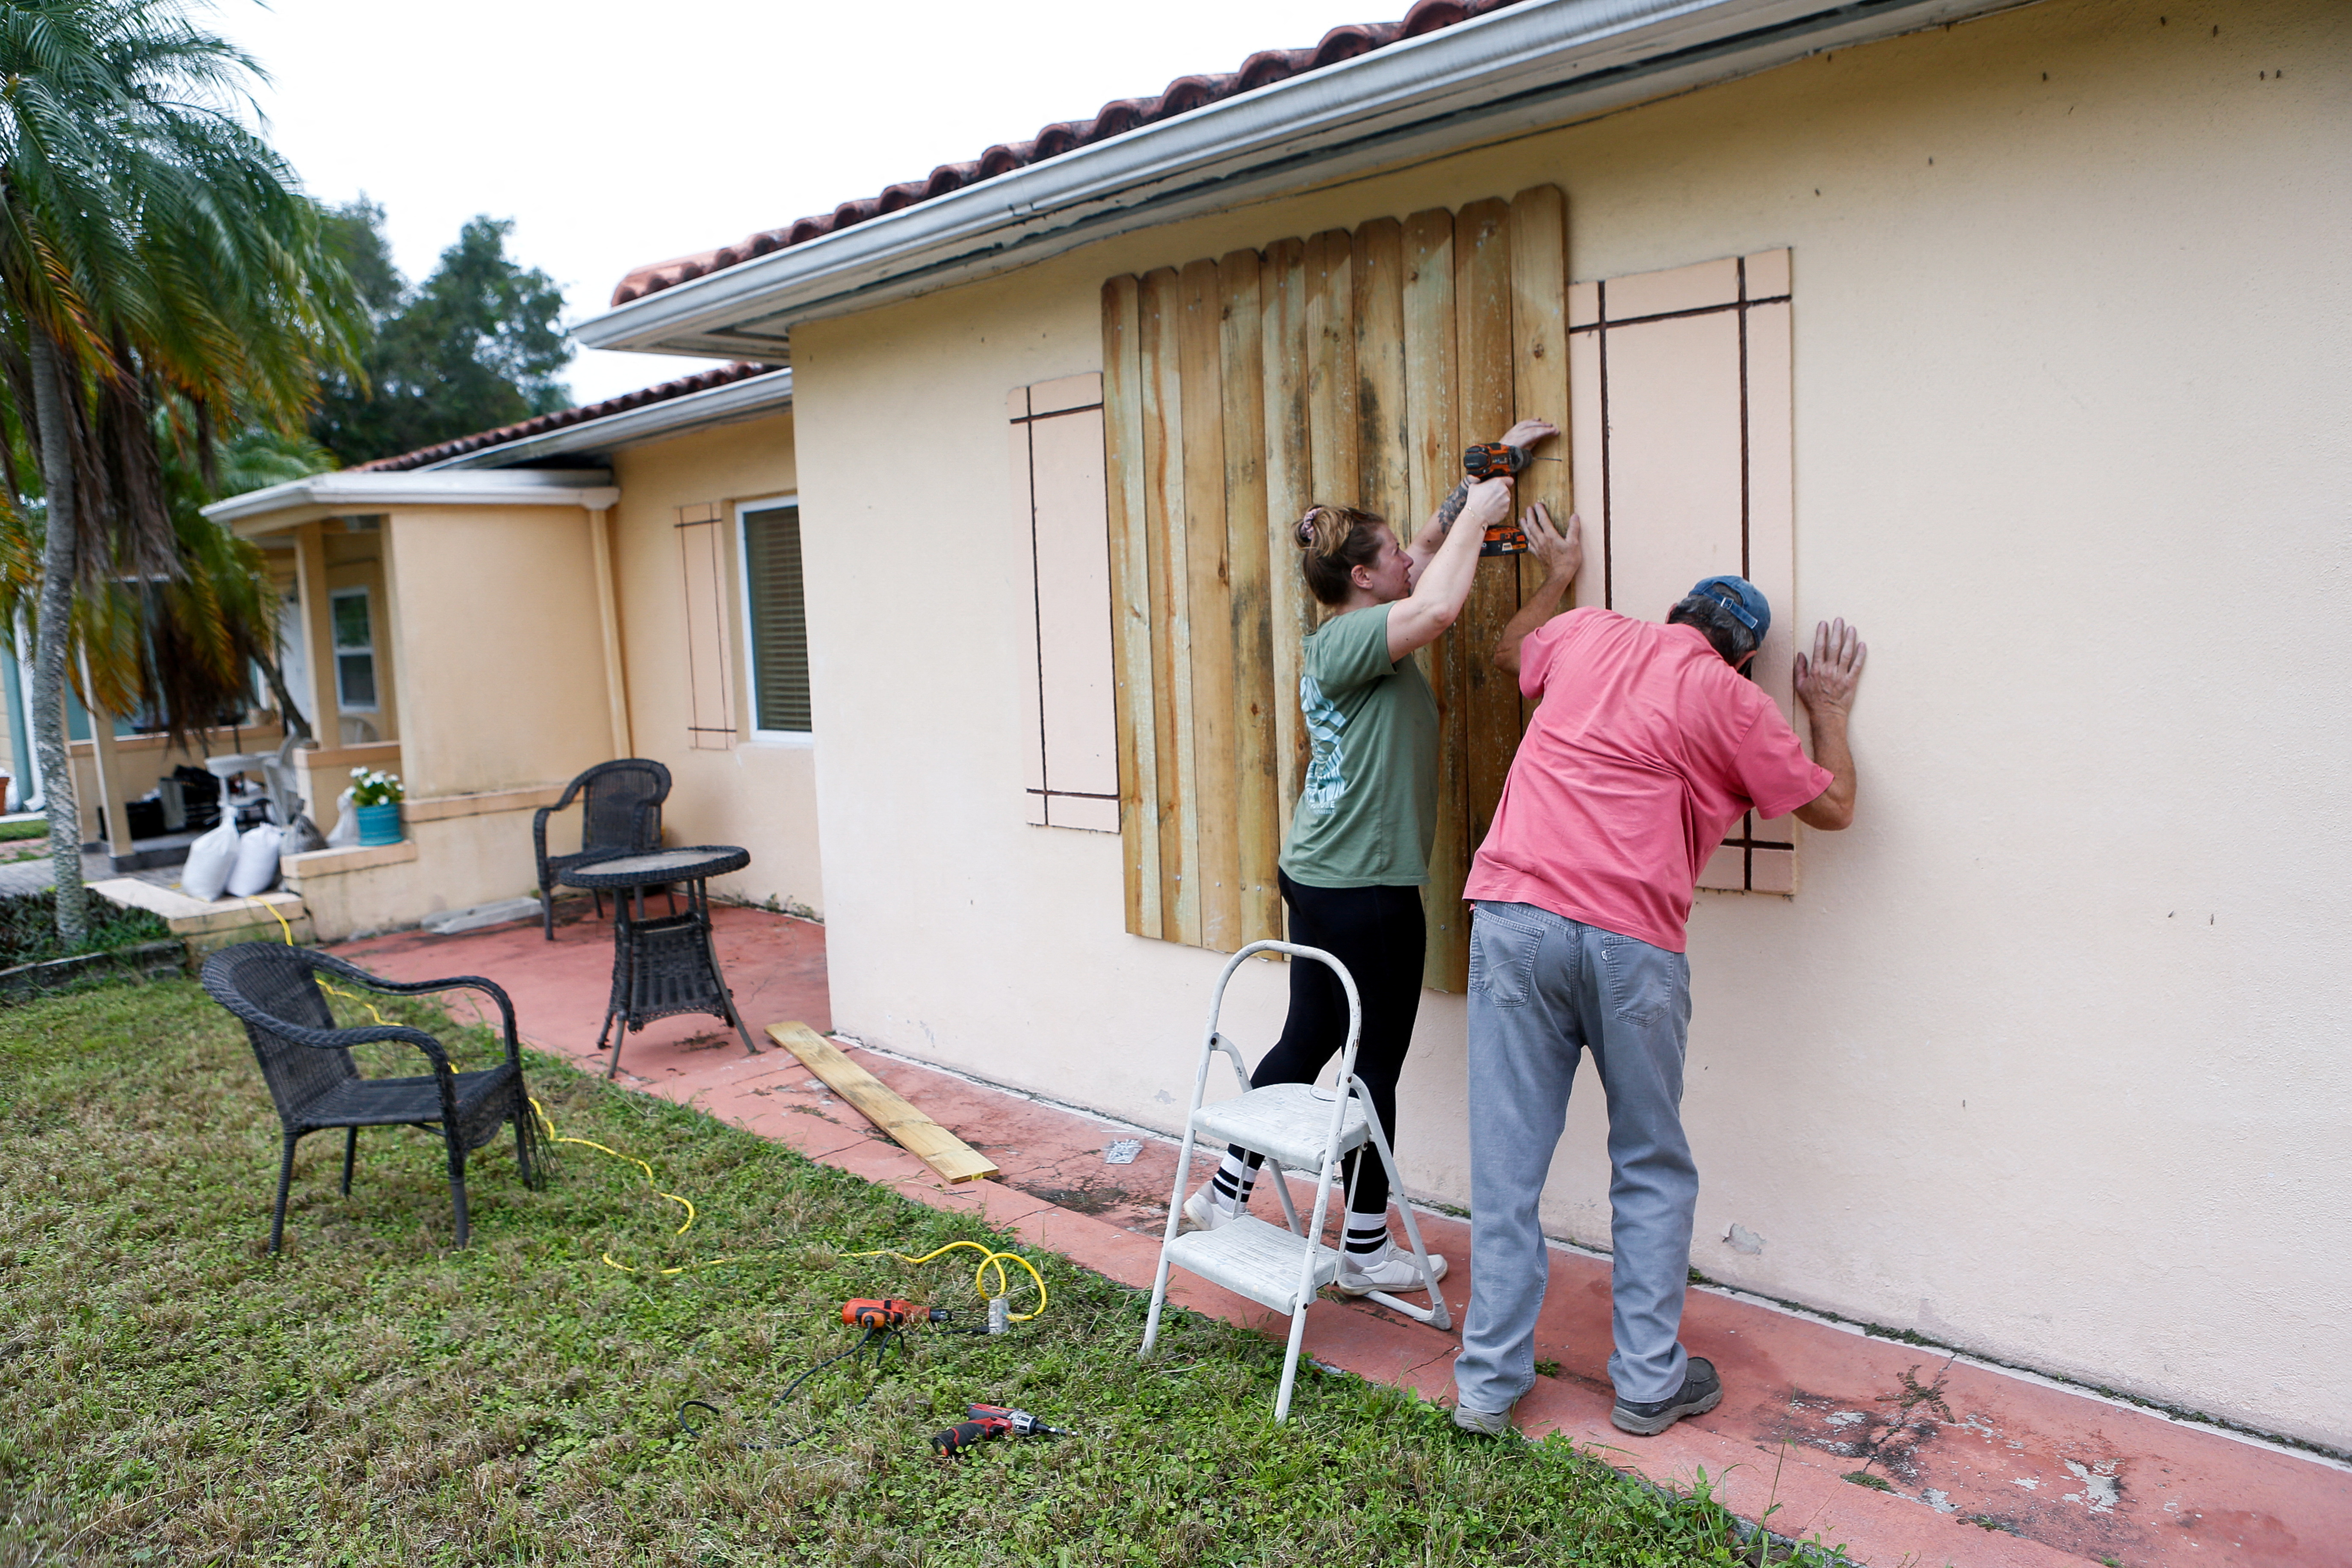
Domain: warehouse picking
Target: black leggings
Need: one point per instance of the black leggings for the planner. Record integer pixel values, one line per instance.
(1379, 934)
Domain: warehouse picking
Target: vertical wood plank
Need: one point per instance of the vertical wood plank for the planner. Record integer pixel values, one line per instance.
(1376, 261)
(1130, 586)
(1540, 353)
(1161, 317)
(1332, 429)
(1257, 822)
(1482, 302)
(1432, 468)
(1290, 491)
(1212, 827)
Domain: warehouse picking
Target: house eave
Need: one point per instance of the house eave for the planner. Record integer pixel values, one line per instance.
(364, 494)
(1540, 64)
(754, 398)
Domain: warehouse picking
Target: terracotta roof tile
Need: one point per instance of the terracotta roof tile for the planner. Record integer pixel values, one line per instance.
(1182, 96)
(425, 457)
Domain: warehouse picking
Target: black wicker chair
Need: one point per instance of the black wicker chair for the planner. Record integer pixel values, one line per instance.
(307, 1061)
(620, 812)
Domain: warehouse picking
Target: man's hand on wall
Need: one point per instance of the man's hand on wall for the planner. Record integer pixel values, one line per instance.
(1826, 681)
(1559, 547)
(1527, 432)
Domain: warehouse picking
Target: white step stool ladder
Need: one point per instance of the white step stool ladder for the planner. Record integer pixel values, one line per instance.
(1296, 1126)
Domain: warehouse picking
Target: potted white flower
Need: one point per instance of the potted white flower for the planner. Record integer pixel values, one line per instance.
(375, 801)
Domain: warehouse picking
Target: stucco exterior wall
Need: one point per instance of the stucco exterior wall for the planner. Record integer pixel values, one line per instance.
(761, 794)
(2045, 1059)
(499, 647)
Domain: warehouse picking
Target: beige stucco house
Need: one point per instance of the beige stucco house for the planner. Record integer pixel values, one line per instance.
(2013, 333)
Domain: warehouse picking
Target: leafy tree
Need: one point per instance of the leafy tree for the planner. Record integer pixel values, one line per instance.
(479, 346)
(160, 270)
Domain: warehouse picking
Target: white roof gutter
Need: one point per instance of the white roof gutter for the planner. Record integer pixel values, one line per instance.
(1541, 63)
(364, 494)
(750, 399)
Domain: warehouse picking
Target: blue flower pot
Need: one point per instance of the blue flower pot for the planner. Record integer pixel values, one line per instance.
(379, 823)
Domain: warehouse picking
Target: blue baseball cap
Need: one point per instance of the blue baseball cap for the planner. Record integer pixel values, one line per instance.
(1743, 599)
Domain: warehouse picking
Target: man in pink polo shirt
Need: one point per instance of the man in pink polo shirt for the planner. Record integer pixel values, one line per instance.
(1649, 743)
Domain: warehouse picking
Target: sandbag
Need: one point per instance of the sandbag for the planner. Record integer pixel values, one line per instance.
(302, 836)
(256, 862)
(345, 833)
(210, 860)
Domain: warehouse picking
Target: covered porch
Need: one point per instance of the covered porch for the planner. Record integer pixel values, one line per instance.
(460, 630)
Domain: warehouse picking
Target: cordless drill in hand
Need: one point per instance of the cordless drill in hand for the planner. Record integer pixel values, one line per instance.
(1493, 460)
(986, 1421)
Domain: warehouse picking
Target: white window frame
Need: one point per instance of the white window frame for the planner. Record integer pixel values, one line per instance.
(366, 596)
(743, 510)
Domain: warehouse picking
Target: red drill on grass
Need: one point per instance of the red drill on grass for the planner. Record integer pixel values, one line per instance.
(988, 1421)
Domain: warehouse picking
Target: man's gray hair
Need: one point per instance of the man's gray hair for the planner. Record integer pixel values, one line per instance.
(1715, 622)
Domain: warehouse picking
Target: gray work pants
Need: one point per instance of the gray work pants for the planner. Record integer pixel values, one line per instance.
(1544, 989)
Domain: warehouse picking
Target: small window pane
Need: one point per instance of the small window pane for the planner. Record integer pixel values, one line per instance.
(355, 679)
(352, 629)
(771, 581)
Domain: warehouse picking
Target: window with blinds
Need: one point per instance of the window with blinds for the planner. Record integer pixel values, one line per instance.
(775, 616)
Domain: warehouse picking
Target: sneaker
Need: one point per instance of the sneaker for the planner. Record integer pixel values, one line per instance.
(1481, 1423)
(1702, 1391)
(1389, 1269)
(1203, 1212)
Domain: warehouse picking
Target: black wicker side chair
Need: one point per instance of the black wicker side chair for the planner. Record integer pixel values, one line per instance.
(307, 1061)
(620, 813)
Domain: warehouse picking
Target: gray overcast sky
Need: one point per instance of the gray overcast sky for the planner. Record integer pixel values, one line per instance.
(616, 134)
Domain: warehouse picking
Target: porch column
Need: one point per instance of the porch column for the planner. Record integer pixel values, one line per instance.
(608, 612)
(318, 635)
(113, 815)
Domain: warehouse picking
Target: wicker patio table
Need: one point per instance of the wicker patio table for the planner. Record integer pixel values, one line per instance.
(664, 965)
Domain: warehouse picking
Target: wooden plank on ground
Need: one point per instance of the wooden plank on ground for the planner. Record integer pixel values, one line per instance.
(1290, 491)
(1482, 305)
(1162, 315)
(1256, 821)
(1209, 613)
(941, 1149)
(1432, 468)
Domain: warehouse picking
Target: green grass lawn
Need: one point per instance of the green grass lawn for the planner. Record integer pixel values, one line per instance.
(37, 827)
(171, 1393)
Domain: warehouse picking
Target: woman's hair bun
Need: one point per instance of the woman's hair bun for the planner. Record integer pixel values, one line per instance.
(1305, 532)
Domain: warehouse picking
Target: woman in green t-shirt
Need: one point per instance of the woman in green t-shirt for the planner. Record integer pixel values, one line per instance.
(1358, 851)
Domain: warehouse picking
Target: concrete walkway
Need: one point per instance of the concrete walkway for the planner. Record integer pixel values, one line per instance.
(1983, 1469)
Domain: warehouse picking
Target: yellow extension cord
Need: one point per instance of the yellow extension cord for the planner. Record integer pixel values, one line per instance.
(988, 1259)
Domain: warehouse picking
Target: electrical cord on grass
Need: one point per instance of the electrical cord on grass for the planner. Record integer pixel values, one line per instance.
(881, 1338)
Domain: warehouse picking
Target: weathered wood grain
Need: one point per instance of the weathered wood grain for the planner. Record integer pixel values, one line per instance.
(1433, 467)
(941, 1149)
(1540, 353)
(1130, 586)
(1257, 825)
(1332, 428)
(1376, 264)
(1211, 827)
(1161, 320)
(1482, 304)
(1290, 491)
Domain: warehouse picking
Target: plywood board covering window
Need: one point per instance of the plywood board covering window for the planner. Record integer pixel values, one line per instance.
(775, 619)
(702, 572)
(1683, 438)
(1347, 366)
(1070, 735)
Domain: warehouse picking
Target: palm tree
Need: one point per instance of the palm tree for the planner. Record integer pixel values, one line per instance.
(155, 256)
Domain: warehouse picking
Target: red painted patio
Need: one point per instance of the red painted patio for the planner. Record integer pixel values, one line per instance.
(1983, 1467)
